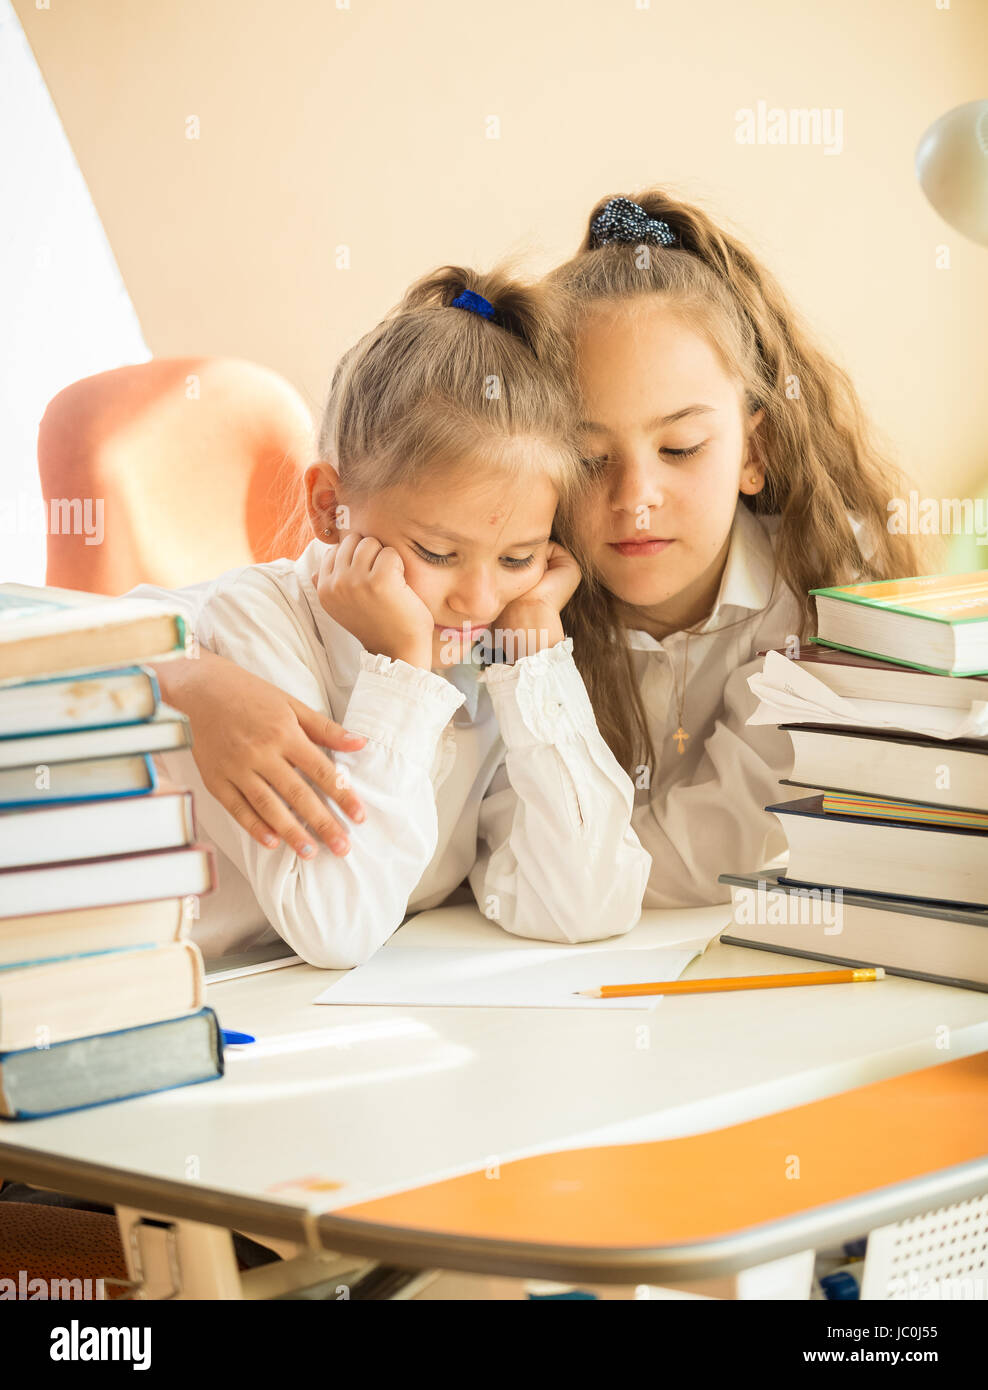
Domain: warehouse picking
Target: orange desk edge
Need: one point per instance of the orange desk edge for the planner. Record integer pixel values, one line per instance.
(712, 1185)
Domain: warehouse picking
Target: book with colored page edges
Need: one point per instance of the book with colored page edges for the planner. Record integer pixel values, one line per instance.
(892, 858)
(49, 631)
(935, 622)
(844, 803)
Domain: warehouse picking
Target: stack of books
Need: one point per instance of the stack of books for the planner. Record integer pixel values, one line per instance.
(101, 992)
(888, 858)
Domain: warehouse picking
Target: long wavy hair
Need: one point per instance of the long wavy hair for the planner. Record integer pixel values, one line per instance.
(822, 464)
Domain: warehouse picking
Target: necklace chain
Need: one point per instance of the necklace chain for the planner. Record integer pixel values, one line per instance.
(681, 736)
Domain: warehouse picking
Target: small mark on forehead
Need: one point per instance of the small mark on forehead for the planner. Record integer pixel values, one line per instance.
(495, 518)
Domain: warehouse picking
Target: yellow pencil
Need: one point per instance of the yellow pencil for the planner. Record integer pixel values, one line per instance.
(809, 977)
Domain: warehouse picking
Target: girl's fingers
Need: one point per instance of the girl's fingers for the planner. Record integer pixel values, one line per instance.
(273, 811)
(387, 560)
(336, 559)
(315, 764)
(346, 547)
(559, 558)
(244, 814)
(328, 562)
(366, 552)
(302, 803)
(328, 777)
(326, 732)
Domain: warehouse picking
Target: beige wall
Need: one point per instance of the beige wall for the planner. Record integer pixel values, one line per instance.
(366, 126)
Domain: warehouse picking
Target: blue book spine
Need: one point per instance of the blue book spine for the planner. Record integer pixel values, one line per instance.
(87, 676)
(214, 1075)
(93, 796)
(78, 955)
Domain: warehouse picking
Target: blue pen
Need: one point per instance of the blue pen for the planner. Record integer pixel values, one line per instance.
(230, 1039)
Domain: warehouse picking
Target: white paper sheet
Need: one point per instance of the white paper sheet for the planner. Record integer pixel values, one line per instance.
(790, 695)
(468, 977)
(487, 966)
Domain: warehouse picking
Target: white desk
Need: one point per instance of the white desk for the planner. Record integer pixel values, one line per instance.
(379, 1099)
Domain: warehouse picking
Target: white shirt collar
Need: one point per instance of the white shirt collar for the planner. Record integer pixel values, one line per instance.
(465, 677)
(748, 578)
(749, 574)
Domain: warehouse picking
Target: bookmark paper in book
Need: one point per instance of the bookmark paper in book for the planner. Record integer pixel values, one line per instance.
(541, 978)
(791, 695)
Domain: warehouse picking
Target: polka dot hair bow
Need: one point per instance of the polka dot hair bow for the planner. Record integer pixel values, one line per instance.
(623, 220)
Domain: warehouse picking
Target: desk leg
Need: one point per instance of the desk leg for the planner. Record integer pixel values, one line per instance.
(169, 1259)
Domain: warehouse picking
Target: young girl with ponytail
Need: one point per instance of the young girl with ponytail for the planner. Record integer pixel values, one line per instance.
(445, 448)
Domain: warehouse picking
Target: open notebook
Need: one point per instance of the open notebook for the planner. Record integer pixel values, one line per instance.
(454, 956)
(256, 961)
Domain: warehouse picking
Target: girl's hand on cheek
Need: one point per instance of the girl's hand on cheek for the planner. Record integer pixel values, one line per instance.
(537, 610)
(361, 584)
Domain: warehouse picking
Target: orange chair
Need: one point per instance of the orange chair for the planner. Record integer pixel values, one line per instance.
(68, 1249)
(196, 463)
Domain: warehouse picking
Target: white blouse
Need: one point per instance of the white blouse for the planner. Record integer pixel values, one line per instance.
(700, 813)
(502, 777)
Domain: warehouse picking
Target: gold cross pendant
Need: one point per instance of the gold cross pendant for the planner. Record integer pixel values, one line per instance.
(681, 736)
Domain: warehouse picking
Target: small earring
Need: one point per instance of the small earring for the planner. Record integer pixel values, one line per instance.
(326, 532)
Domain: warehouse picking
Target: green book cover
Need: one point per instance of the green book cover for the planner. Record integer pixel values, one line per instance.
(941, 598)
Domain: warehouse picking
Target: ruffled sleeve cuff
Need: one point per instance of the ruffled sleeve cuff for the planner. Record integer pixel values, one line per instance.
(401, 707)
(541, 698)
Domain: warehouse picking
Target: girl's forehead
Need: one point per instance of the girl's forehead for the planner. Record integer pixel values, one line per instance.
(654, 353)
(645, 322)
(489, 499)
(494, 501)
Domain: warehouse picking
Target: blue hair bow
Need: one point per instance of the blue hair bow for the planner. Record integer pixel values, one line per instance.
(476, 303)
(622, 220)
